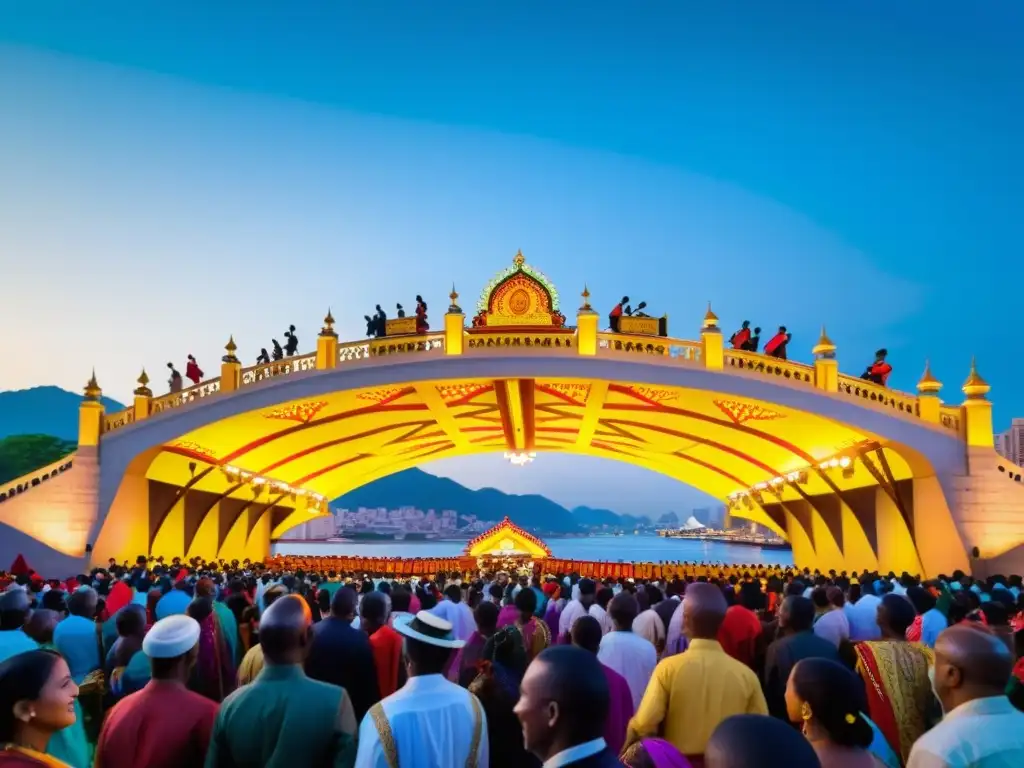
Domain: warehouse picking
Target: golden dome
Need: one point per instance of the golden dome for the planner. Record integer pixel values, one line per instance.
(143, 380)
(824, 345)
(928, 384)
(710, 318)
(586, 299)
(92, 388)
(975, 386)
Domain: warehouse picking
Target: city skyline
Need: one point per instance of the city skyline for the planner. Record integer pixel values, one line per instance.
(848, 166)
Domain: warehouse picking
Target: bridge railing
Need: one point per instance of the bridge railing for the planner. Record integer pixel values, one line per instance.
(34, 478)
(584, 339)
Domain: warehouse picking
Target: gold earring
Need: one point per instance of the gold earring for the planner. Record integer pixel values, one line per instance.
(805, 711)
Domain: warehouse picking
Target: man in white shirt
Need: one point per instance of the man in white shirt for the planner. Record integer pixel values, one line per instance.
(863, 614)
(563, 703)
(578, 606)
(981, 728)
(630, 655)
(453, 610)
(428, 721)
(599, 610)
(832, 623)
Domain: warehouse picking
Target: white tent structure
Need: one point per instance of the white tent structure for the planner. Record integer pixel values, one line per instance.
(692, 524)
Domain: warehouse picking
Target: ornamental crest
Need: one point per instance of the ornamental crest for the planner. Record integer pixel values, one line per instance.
(518, 296)
(740, 412)
(302, 413)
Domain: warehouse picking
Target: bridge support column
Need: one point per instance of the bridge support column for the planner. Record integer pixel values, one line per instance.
(586, 327)
(712, 349)
(929, 406)
(90, 415)
(977, 411)
(327, 345)
(826, 367)
(230, 368)
(454, 326)
(143, 397)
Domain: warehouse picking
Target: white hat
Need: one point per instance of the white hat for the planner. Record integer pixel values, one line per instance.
(171, 637)
(428, 628)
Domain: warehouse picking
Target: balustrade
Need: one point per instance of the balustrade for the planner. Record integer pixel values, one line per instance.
(875, 393)
(32, 479)
(768, 366)
(562, 341)
(276, 368)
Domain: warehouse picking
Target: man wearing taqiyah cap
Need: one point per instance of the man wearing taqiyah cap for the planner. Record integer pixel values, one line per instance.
(299, 721)
(164, 725)
(428, 712)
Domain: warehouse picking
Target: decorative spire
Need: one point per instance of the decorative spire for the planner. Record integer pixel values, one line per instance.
(328, 329)
(710, 319)
(92, 388)
(454, 308)
(142, 390)
(230, 348)
(824, 347)
(975, 388)
(928, 384)
(586, 299)
(519, 259)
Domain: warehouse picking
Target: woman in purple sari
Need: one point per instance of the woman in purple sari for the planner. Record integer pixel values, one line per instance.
(466, 664)
(214, 673)
(653, 753)
(554, 607)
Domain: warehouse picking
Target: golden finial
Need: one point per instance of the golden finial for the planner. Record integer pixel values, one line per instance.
(230, 348)
(586, 299)
(710, 318)
(519, 259)
(92, 388)
(328, 329)
(928, 384)
(825, 347)
(142, 389)
(975, 387)
(454, 308)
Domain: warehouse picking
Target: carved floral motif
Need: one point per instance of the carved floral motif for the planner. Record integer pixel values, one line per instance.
(740, 412)
(195, 448)
(452, 392)
(653, 394)
(303, 413)
(577, 393)
(380, 395)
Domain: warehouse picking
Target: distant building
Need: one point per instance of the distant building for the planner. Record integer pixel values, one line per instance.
(1010, 444)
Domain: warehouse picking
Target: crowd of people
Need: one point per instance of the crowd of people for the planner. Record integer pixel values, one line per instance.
(241, 664)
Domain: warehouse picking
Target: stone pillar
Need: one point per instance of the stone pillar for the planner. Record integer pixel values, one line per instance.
(143, 397)
(230, 368)
(977, 411)
(928, 404)
(90, 415)
(454, 326)
(327, 345)
(712, 348)
(826, 367)
(586, 326)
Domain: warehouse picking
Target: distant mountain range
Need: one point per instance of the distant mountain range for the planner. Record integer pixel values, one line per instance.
(54, 411)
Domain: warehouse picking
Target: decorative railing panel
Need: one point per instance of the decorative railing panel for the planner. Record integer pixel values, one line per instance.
(523, 339)
(175, 399)
(278, 368)
(26, 482)
(771, 367)
(949, 417)
(660, 346)
(875, 393)
(119, 419)
(407, 344)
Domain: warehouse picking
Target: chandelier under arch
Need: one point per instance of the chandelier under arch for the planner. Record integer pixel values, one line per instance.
(520, 458)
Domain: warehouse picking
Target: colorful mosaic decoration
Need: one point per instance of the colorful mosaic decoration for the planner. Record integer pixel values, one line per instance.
(302, 413)
(195, 448)
(740, 412)
(518, 265)
(380, 395)
(451, 392)
(653, 394)
(577, 393)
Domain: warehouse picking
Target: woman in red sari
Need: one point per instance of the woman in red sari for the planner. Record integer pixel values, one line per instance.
(895, 674)
(37, 699)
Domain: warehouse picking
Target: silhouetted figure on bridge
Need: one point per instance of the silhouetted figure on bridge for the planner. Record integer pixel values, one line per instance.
(741, 337)
(616, 313)
(175, 381)
(371, 325)
(398, 309)
(192, 370)
(878, 371)
(776, 346)
(382, 322)
(264, 358)
(278, 353)
(422, 326)
(751, 344)
(292, 345)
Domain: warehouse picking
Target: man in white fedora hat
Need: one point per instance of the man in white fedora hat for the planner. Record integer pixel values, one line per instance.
(429, 722)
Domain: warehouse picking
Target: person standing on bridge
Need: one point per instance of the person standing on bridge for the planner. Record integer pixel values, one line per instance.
(292, 345)
(776, 346)
(175, 381)
(741, 337)
(192, 370)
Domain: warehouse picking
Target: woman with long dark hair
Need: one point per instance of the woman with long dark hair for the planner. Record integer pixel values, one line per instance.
(37, 699)
(827, 700)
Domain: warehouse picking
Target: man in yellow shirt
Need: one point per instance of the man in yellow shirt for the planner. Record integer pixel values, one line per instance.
(692, 692)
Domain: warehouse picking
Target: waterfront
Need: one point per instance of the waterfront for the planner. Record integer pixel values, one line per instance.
(642, 548)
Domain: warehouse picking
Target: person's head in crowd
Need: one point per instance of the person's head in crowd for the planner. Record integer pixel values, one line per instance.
(970, 663)
(796, 614)
(653, 753)
(563, 701)
(83, 603)
(400, 599)
(586, 634)
(895, 614)
(286, 630)
(826, 700)
(623, 610)
(703, 612)
(41, 624)
(172, 646)
(37, 699)
(486, 617)
(588, 592)
(15, 609)
(758, 741)
(526, 603)
(343, 604)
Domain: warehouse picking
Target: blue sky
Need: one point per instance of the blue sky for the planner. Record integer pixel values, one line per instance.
(856, 164)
